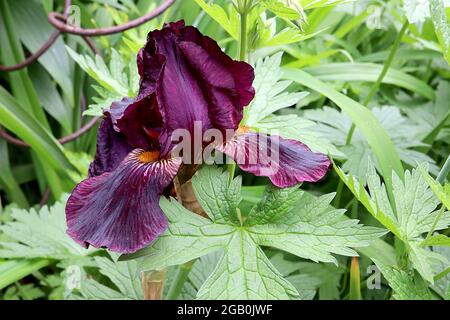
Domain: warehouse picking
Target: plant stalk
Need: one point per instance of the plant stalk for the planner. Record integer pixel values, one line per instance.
(444, 171)
(435, 222)
(383, 73)
(153, 284)
(179, 280)
(242, 55)
(355, 280)
(442, 274)
(369, 97)
(243, 37)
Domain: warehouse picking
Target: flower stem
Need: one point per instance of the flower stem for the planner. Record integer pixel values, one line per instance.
(242, 54)
(179, 280)
(442, 274)
(355, 280)
(372, 92)
(243, 37)
(383, 73)
(435, 222)
(231, 169)
(153, 284)
(444, 171)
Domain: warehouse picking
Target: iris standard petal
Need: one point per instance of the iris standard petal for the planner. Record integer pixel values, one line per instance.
(243, 73)
(112, 148)
(286, 162)
(198, 83)
(120, 210)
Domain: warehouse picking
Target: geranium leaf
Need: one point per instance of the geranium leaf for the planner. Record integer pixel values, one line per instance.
(299, 223)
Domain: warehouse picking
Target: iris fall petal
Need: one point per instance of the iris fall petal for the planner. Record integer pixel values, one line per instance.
(120, 210)
(286, 162)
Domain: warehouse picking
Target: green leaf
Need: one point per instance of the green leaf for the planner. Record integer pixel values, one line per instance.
(275, 202)
(441, 26)
(116, 82)
(291, 126)
(281, 9)
(309, 277)
(271, 97)
(124, 276)
(425, 261)
(39, 234)
(23, 292)
(218, 198)
(17, 120)
(314, 230)
(309, 228)
(369, 72)
(244, 272)
(14, 270)
(416, 11)
(98, 71)
(189, 236)
(81, 162)
(414, 214)
(33, 31)
(229, 22)
(405, 286)
(270, 91)
(50, 98)
(441, 191)
(8, 181)
(437, 240)
(377, 138)
(12, 53)
(310, 4)
(405, 134)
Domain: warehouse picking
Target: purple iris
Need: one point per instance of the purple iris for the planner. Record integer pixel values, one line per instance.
(185, 78)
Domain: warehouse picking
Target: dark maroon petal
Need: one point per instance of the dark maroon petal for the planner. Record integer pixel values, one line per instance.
(120, 210)
(179, 93)
(224, 107)
(198, 81)
(286, 162)
(138, 120)
(242, 72)
(112, 148)
(150, 67)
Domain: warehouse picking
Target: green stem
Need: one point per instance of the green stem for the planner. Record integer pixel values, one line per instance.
(231, 169)
(442, 274)
(337, 198)
(383, 73)
(153, 284)
(435, 222)
(374, 89)
(179, 280)
(242, 54)
(444, 171)
(355, 280)
(243, 37)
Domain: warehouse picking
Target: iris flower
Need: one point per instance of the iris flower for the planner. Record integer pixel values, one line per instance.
(185, 78)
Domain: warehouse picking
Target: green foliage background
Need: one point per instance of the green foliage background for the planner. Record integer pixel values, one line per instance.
(318, 65)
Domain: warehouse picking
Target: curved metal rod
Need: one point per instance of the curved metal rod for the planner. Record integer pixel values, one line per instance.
(58, 20)
(73, 136)
(32, 58)
(47, 44)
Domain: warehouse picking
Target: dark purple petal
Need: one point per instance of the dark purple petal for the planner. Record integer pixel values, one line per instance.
(120, 210)
(286, 162)
(112, 148)
(138, 120)
(242, 72)
(198, 81)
